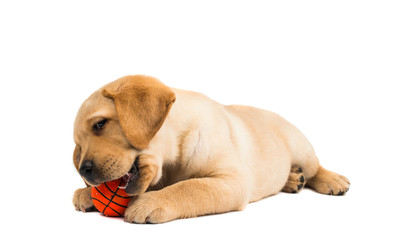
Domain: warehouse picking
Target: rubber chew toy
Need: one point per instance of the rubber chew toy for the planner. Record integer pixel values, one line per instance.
(110, 198)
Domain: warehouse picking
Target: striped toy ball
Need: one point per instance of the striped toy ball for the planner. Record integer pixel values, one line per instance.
(109, 199)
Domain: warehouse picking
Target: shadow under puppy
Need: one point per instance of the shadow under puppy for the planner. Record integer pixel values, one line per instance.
(194, 156)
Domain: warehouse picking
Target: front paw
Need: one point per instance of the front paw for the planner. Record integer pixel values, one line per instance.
(150, 207)
(147, 168)
(82, 200)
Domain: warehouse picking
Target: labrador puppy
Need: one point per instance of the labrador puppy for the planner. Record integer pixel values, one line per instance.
(184, 155)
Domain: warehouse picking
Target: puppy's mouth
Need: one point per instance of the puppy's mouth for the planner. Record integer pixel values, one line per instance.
(130, 179)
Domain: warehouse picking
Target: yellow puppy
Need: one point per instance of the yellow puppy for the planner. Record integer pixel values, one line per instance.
(185, 155)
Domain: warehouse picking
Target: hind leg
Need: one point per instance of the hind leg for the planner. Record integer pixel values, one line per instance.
(328, 182)
(295, 182)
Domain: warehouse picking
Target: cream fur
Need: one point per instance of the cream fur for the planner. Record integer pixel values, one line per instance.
(209, 158)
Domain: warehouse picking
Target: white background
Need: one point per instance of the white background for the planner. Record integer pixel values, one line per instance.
(329, 67)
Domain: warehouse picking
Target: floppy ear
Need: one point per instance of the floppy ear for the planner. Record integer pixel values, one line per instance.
(76, 157)
(142, 104)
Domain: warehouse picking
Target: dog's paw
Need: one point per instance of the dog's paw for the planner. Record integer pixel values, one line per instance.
(295, 182)
(147, 168)
(329, 183)
(82, 200)
(149, 208)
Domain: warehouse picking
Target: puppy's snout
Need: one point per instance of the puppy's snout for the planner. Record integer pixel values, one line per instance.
(86, 169)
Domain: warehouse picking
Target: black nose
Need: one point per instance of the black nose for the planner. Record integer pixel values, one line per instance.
(86, 169)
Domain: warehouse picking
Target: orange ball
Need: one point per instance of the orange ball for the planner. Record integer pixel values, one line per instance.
(110, 199)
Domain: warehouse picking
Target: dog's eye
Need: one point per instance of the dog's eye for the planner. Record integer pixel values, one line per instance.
(99, 125)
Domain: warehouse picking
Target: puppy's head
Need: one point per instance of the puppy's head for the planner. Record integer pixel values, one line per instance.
(115, 124)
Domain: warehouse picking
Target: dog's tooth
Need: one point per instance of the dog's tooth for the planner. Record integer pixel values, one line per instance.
(124, 187)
